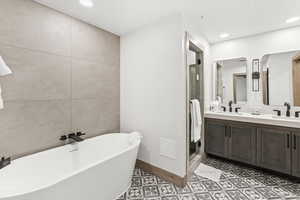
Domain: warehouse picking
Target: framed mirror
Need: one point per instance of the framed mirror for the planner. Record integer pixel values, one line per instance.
(230, 80)
(281, 78)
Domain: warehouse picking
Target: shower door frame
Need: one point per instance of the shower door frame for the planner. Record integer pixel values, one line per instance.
(191, 165)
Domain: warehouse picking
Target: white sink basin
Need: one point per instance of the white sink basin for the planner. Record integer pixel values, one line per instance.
(285, 118)
(233, 113)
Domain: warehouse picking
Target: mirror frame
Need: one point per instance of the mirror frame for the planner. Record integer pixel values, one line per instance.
(214, 66)
(297, 54)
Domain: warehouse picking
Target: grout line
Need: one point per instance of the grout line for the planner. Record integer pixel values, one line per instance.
(33, 50)
(54, 54)
(58, 99)
(32, 100)
(71, 74)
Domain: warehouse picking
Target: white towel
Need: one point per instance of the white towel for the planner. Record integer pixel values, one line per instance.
(196, 120)
(4, 70)
(209, 172)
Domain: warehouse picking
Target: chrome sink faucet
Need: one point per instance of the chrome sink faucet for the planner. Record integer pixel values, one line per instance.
(288, 109)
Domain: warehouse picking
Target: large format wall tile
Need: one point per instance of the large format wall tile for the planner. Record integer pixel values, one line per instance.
(6, 23)
(96, 116)
(66, 77)
(55, 32)
(36, 76)
(90, 43)
(34, 125)
(27, 24)
(95, 80)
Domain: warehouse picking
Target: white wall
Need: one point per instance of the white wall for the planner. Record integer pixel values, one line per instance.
(153, 89)
(153, 92)
(256, 47)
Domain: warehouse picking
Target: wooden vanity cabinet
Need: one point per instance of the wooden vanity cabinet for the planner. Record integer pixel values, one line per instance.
(235, 141)
(269, 147)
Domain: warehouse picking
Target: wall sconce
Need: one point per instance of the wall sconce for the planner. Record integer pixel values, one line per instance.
(255, 75)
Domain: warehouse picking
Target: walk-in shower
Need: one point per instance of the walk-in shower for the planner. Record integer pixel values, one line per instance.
(195, 91)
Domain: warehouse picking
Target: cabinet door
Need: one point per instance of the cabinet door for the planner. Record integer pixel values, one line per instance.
(274, 149)
(215, 138)
(242, 143)
(296, 155)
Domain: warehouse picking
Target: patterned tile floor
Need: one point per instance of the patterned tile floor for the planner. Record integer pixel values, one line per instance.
(237, 183)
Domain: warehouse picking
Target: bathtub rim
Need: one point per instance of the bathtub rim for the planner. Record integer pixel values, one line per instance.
(76, 172)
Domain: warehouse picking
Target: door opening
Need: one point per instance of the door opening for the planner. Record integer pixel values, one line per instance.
(195, 91)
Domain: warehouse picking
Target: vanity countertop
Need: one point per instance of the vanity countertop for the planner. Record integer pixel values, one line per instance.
(290, 122)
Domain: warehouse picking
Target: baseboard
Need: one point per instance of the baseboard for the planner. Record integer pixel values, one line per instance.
(168, 176)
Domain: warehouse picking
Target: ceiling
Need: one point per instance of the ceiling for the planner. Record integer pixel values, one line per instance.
(239, 18)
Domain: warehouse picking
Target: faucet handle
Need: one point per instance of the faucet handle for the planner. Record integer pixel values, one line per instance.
(80, 133)
(224, 108)
(237, 109)
(8, 159)
(71, 134)
(297, 114)
(63, 138)
(278, 112)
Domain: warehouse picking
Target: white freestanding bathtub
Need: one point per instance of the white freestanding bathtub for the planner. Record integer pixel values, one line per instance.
(99, 168)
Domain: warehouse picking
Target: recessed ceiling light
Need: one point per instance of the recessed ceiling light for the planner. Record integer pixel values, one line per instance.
(87, 3)
(224, 35)
(292, 19)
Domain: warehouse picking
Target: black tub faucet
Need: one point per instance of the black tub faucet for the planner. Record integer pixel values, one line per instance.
(4, 162)
(76, 137)
(73, 137)
(230, 106)
(288, 109)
